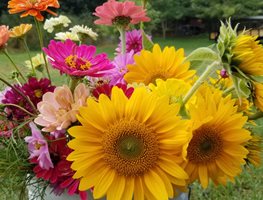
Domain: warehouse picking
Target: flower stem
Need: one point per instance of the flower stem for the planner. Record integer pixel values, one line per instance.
(40, 36)
(73, 83)
(198, 83)
(256, 116)
(20, 93)
(228, 90)
(29, 55)
(23, 109)
(123, 39)
(13, 63)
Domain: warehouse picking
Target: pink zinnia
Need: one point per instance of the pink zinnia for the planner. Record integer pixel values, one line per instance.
(120, 13)
(38, 148)
(58, 109)
(133, 41)
(76, 60)
(4, 35)
(120, 62)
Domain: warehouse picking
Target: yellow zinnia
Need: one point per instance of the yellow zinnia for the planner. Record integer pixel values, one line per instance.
(157, 64)
(173, 88)
(216, 150)
(258, 95)
(20, 31)
(248, 55)
(129, 148)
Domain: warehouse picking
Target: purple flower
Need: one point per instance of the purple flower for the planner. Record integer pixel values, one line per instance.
(133, 41)
(75, 60)
(120, 63)
(38, 147)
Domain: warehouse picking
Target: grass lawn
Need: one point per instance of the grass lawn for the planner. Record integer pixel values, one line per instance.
(249, 186)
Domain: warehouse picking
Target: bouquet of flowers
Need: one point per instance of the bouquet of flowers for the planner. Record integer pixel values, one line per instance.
(144, 125)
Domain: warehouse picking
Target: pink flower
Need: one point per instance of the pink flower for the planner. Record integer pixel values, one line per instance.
(58, 109)
(4, 35)
(38, 148)
(120, 13)
(120, 62)
(77, 60)
(133, 41)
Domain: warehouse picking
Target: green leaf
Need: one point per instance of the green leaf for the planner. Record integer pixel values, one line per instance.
(147, 43)
(258, 79)
(202, 54)
(241, 87)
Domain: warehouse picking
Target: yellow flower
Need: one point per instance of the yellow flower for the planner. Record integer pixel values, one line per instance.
(129, 148)
(258, 95)
(248, 54)
(20, 31)
(150, 66)
(173, 88)
(254, 148)
(216, 149)
(37, 61)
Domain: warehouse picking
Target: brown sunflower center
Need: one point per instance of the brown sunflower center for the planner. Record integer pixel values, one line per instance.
(205, 146)
(131, 148)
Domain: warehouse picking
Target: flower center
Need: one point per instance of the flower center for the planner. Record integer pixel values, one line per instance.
(37, 145)
(75, 62)
(121, 21)
(157, 75)
(38, 93)
(205, 146)
(130, 147)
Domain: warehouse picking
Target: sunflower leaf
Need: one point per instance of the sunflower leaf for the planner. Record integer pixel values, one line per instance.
(202, 54)
(258, 79)
(147, 43)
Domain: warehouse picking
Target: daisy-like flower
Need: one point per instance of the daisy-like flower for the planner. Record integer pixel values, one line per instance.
(77, 60)
(56, 23)
(4, 35)
(32, 7)
(120, 13)
(150, 66)
(248, 55)
(133, 41)
(216, 149)
(173, 88)
(135, 146)
(258, 95)
(38, 148)
(63, 36)
(84, 32)
(58, 109)
(20, 31)
(37, 61)
(120, 63)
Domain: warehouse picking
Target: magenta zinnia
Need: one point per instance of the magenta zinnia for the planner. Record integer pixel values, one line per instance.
(76, 60)
(120, 13)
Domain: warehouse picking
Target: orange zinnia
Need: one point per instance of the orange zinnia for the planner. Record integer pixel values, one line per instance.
(32, 7)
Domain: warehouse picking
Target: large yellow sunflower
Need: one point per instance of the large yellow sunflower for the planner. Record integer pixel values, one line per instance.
(129, 148)
(150, 66)
(248, 54)
(216, 150)
(254, 146)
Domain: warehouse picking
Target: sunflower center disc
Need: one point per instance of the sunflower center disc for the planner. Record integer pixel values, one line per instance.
(205, 146)
(131, 148)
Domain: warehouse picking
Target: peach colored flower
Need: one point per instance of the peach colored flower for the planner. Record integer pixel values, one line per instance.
(120, 13)
(4, 35)
(32, 7)
(58, 109)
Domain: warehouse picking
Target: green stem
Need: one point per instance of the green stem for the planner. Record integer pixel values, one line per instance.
(228, 90)
(73, 83)
(198, 83)
(17, 106)
(20, 93)
(40, 36)
(29, 55)
(256, 116)
(123, 39)
(13, 63)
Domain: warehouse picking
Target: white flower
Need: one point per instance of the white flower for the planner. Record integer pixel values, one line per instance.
(84, 31)
(37, 61)
(67, 35)
(54, 22)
